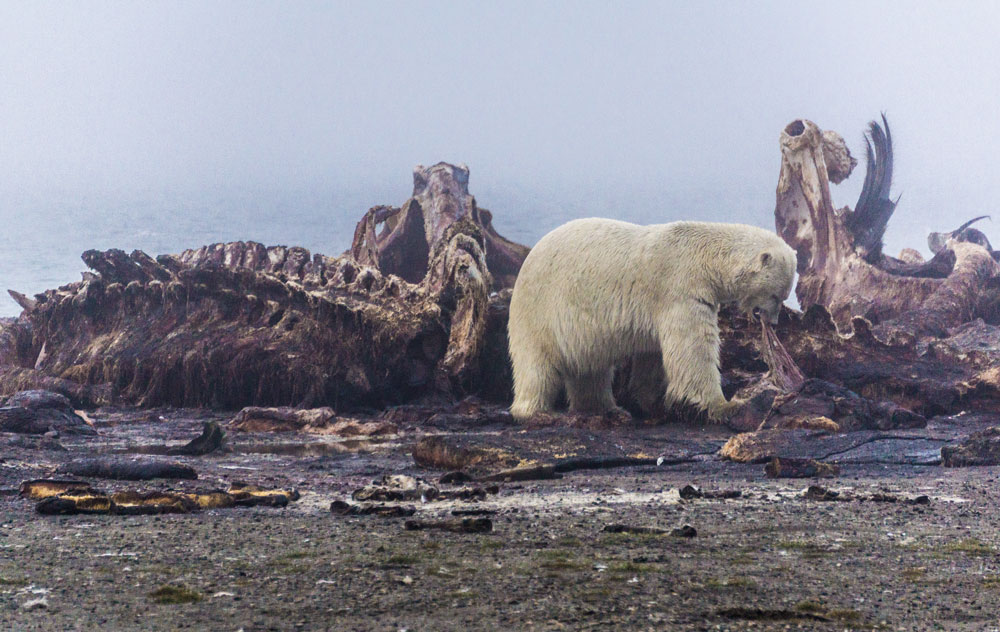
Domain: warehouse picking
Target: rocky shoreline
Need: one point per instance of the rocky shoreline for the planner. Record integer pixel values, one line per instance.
(894, 540)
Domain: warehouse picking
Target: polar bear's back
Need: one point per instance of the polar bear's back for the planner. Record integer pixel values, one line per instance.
(580, 264)
(576, 292)
(588, 290)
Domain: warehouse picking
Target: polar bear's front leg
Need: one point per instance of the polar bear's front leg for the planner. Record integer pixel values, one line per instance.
(689, 341)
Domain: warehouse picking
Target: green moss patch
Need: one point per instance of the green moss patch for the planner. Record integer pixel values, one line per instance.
(174, 594)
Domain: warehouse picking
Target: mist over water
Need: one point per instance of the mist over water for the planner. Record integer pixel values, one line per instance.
(167, 126)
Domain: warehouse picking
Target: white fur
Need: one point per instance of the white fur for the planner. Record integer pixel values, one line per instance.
(595, 292)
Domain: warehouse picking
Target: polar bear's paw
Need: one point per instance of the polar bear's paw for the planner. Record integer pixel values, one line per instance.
(723, 412)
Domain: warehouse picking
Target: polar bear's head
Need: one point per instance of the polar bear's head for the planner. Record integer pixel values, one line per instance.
(768, 282)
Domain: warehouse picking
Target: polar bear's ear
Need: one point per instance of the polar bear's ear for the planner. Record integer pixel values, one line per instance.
(765, 258)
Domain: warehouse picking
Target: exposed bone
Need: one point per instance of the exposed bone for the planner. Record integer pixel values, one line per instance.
(240, 324)
(22, 300)
(840, 258)
(440, 199)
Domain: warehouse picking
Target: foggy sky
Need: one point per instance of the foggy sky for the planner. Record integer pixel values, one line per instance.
(644, 111)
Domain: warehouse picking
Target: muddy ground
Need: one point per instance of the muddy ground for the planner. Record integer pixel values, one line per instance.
(769, 559)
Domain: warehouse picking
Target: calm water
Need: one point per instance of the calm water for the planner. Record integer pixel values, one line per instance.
(43, 233)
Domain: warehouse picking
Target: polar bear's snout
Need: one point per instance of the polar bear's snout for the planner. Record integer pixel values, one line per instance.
(769, 310)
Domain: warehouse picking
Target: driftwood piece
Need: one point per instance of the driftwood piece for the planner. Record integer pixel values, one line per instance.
(618, 527)
(816, 492)
(458, 525)
(140, 469)
(342, 508)
(73, 497)
(241, 324)
(544, 453)
(44, 487)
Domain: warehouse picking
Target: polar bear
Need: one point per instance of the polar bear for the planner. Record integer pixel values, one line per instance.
(595, 292)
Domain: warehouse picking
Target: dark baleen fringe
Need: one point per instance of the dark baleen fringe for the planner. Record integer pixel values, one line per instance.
(871, 214)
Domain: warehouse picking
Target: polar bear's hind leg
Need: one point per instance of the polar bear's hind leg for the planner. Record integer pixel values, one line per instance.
(591, 392)
(536, 387)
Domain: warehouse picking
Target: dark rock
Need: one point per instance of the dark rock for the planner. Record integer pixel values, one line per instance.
(687, 531)
(209, 441)
(38, 400)
(981, 448)
(39, 412)
(690, 492)
(454, 478)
